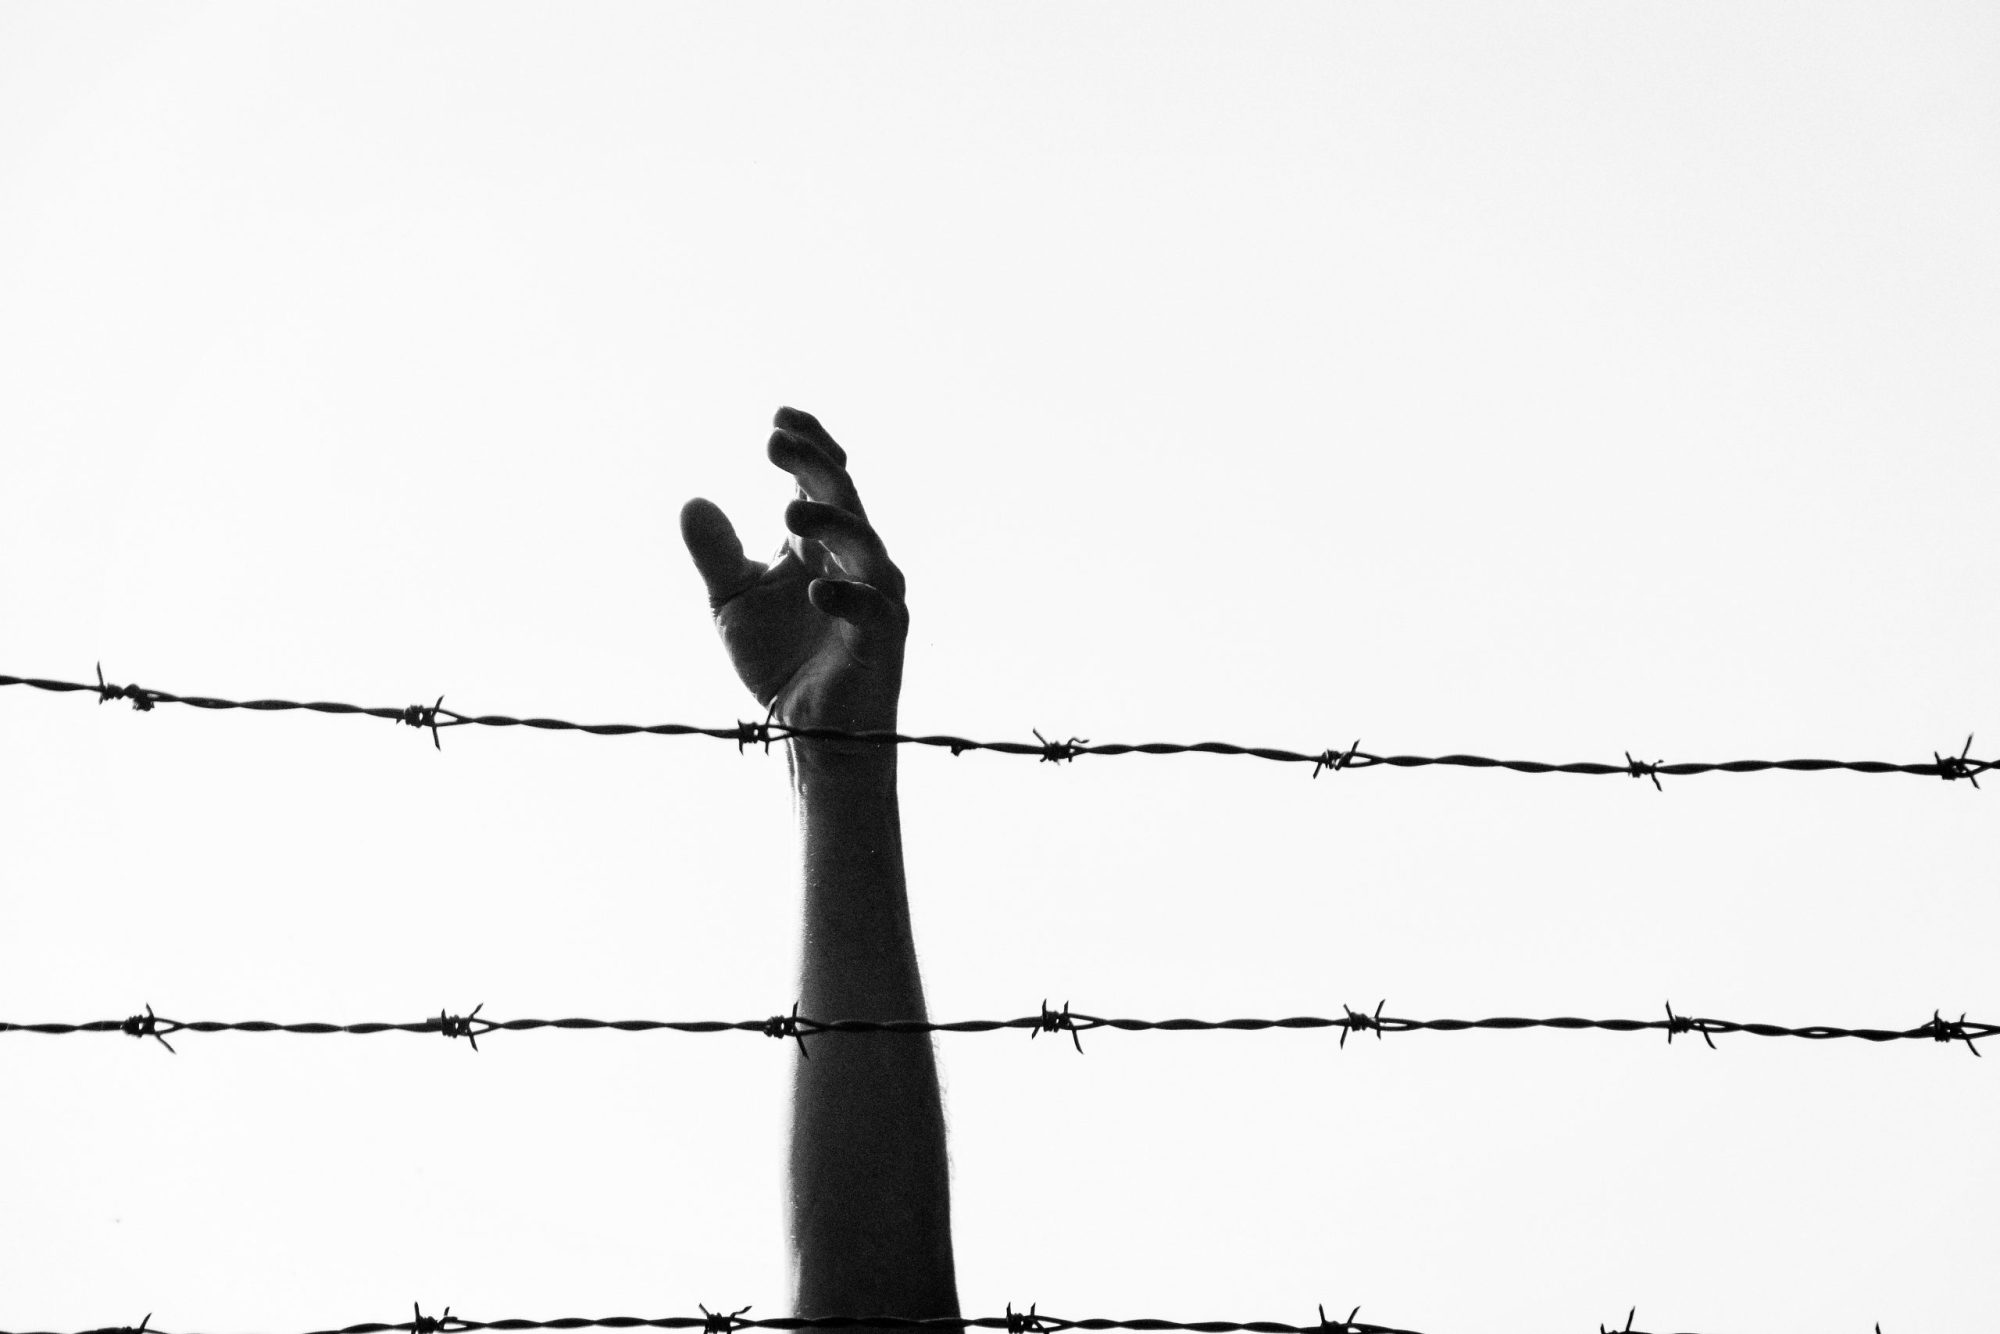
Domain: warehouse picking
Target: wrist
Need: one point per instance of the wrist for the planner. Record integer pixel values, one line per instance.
(821, 767)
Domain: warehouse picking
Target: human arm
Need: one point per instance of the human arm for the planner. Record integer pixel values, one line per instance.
(817, 635)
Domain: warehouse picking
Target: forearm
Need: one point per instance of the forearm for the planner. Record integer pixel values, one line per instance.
(871, 1204)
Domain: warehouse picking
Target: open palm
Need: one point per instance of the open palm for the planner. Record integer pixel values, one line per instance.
(817, 633)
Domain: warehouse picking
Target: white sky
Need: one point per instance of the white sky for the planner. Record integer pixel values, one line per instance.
(1535, 381)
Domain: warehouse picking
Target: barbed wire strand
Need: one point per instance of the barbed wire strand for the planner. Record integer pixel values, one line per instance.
(729, 1322)
(472, 1026)
(436, 718)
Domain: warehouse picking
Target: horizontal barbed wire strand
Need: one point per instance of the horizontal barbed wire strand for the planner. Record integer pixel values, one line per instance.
(720, 1322)
(474, 1026)
(435, 717)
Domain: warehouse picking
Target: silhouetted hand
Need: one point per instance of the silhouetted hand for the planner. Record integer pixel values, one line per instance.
(818, 633)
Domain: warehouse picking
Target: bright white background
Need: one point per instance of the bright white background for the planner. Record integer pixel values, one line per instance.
(1536, 380)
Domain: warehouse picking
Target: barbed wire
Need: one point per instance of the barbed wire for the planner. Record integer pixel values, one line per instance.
(472, 1026)
(729, 1322)
(435, 718)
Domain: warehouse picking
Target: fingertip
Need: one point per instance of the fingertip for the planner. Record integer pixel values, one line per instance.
(825, 594)
(856, 603)
(806, 517)
(815, 466)
(804, 423)
(702, 520)
(790, 451)
(716, 549)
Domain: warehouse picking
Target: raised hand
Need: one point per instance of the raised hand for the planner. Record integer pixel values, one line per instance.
(817, 634)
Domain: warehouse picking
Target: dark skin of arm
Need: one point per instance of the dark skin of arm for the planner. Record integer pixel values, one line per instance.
(817, 635)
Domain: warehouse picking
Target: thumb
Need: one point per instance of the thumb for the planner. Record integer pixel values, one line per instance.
(718, 553)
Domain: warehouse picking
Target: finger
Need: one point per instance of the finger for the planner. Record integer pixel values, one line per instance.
(852, 540)
(818, 476)
(861, 605)
(807, 425)
(718, 553)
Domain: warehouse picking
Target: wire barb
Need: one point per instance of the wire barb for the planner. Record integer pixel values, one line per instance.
(1055, 752)
(141, 701)
(1336, 761)
(1681, 1024)
(424, 715)
(1628, 1324)
(1052, 1022)
(753, 734)
(461, 1025)
(1337, 1326)
(720, 1322)
(1356, 1021)
(423, 1324)
(787, 1026)
(1953, 767)
(1641, 769)
(1950, 1030)
(1019, 1322)
(147, 1025)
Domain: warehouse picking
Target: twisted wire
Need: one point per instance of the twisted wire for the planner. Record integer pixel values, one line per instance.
(473, 1026)
(436, 718)
(728, 1322)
